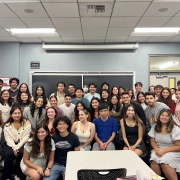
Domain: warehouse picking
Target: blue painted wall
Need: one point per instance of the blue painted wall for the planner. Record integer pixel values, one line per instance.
(15, 60)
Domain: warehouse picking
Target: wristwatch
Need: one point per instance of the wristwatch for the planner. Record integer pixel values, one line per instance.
(48, 168)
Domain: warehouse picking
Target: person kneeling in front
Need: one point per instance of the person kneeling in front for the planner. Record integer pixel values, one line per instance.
(65, 141)
(106, 128)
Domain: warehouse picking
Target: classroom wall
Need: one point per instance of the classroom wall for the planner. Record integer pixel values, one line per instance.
(15, 60)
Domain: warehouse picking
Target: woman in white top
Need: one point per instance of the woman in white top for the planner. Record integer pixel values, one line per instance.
(84, 129)
(5, 106)
(16, 132)
(38, 157)
(141, 99)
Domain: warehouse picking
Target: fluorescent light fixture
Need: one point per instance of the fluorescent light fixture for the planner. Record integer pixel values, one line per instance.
(32, 31)
(90, 47)
(155, 31)
(19, 1)
(166, 65)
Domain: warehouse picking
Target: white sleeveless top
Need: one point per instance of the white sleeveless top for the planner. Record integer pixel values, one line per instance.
(83, 137)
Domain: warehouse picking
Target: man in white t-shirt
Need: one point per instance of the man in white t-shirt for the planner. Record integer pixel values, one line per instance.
(92, 92)
(67, 107)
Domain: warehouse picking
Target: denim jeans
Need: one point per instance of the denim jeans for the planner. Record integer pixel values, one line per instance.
(56, 171)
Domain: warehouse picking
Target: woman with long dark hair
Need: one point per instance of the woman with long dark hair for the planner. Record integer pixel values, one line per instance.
(141, 99)
(5, 106)
(80, 106)
(41, 92)
(35, 113)
(23, 88)
(115, 91)
(105, 96)
(115, 108)
(131, 93)
(50, 116)
(132, 131)
(53, 103)
(94, 111)
(16, 132)
(165, 141)
(24, 101)
(166, 98)
(37, 153)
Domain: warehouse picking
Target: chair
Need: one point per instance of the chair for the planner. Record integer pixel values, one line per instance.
(98, 174)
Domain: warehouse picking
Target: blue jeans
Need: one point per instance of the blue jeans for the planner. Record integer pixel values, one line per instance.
(56, 171)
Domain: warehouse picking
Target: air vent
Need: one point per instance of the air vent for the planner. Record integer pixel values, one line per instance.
(95, 8)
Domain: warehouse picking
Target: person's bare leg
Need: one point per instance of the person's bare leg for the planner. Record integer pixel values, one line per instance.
(32, 174)
(169, 172)
(138, 152)
(156, 167)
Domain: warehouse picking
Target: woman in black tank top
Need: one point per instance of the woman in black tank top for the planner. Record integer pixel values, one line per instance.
(132, 132)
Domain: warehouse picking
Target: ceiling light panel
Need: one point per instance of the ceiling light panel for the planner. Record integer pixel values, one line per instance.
(155, 31)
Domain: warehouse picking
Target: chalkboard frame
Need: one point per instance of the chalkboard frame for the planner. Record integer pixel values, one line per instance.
(83, 74)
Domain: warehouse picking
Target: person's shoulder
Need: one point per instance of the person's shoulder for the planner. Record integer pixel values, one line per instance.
(72, 135)
(96, 119)
(26, 122)
(111, 118)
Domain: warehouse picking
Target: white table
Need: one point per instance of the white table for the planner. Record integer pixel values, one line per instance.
(103, 160)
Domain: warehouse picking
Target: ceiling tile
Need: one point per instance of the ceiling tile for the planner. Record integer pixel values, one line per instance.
(159, 38)
(94, 39)
(95, 32)
(5, 33)
(152, 21)
(178, 14)
(9, 39)
(130, 8)
(173, 8)
(95, 1)
(66, 22)
(8, 23)
(175, 39)
(62, 9)
(5, 11)
(58, 1)
(38, 22)
(95, 22)
(85, 12)
(123, 22)
(137, 38)
(30, 39)
(51, 39)
(18, 9)
(116, 39)
(70, 32)
(134, 0)
(72, 39)
(119, 31)
(174, 22)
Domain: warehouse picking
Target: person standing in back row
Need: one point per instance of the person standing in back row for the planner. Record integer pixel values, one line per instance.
(13, 90)
(92, 92)
(60, 93)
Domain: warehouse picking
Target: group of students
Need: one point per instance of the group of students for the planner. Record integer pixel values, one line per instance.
(38, 129)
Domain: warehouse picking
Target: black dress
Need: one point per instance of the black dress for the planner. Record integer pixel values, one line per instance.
(132, 137)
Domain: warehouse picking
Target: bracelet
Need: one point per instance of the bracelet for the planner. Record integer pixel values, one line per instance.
(48, 168)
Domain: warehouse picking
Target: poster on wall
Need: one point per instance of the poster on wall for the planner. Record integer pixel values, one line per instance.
(5, 82)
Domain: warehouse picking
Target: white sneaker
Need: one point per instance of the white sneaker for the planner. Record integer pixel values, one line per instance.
(16, 178)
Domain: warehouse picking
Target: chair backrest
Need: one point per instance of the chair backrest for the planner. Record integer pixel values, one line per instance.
(98, 174)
